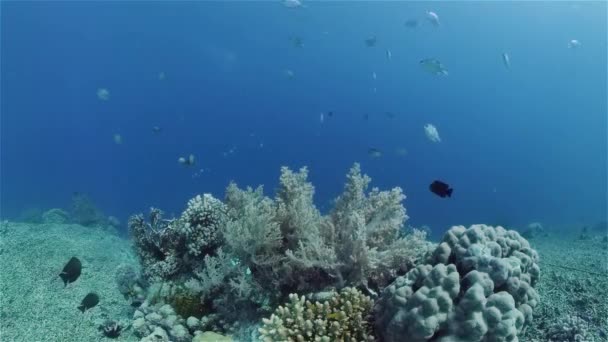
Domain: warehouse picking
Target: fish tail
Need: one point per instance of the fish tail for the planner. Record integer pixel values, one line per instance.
(81, 308)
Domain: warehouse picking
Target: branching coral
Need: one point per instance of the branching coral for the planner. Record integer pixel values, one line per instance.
(343, 317)
(202, 223)
(359, 243)
(158, 244)
(169, 248)
(250, 252)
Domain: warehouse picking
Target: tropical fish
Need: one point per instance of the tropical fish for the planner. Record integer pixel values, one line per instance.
(432, 133)
(161, 76)
(292, 3)
(390, 115)
(433, 18)
(573, 44)
(71, 271)
(374, 152)
(187, 161)
(401, 151)
(371, 41)
(433, 66)
(103, 94)
(441, 189)
(117, 139)
(289, 74)
(297, 41)
(89, 301)
(506, 60)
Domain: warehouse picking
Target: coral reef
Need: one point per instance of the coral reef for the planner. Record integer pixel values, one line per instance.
(360, 243)
(55, 216)
(84, 211)
(159, 323)
(477, 286)
(342, 317)
(246, 254)
(129, 283)
(170, 248)
(533, 230)
(570, 328)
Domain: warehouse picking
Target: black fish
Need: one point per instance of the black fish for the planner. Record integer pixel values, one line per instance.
(411, 23)
(371, 42)
(71, 271)
(88, 302)
(441, 189)
(390, 115)
(297, 41)
(330, 114)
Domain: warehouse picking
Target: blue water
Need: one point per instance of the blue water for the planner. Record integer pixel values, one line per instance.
(523, 144)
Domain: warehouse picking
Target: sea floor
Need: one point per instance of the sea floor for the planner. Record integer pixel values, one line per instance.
(35, 305)
(573, 287)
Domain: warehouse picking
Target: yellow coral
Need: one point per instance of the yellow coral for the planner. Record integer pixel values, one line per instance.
(341, 318)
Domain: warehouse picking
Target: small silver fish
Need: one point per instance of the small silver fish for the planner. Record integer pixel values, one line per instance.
(506, 60)
(433, 66)
(433, 18)
(389, 54)
(374, 153)
(187, 161)
(573, 44)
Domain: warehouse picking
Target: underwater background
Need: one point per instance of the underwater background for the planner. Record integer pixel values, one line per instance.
(519, 144)
(431, 171)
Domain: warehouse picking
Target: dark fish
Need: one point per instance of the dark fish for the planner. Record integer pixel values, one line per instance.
(297, 41)
(88, 302)
(390, 115)
(411, 23)
(365, 117)
(374, 152)
(441, 189)
(371, 42)
(71, 271)
(330, 114)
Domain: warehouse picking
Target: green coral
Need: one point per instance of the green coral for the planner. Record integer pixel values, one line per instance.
(343, 317)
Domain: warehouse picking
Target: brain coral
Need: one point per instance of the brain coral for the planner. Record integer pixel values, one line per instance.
(477, 286)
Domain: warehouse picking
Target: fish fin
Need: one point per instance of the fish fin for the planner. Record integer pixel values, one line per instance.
(62, 276)
(81, 308)
(450, 192)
